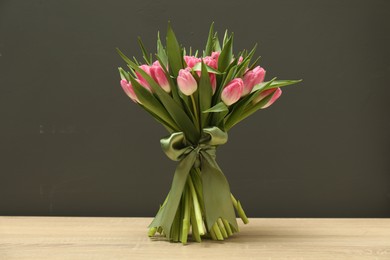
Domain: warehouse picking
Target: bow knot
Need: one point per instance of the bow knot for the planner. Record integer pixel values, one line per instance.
(176, 149)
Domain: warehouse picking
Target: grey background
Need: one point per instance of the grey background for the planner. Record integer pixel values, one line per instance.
(72, 143)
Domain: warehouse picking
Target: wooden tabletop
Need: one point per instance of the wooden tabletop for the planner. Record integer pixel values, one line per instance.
(125, 238)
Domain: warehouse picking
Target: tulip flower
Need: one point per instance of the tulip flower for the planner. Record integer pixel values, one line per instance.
(191, 61)
(143, 81)
(215, 55)
(252, 78)
(128, 88)
(276, 93)
(232, 91)
(158, 75)
(209, 61)
(186, 82)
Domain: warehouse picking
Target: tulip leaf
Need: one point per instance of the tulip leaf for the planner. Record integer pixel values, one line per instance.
(146, 55)
(217, 45)
(205, 93)
(162, 54)
(123, 56)
(275, 84)
(175, 57)
(225, 38)
(198, 67)
(253, 109)
(226, 56)
(149, 102)
(210, 41)
(241, 105)
(174, 109)
(220, 107)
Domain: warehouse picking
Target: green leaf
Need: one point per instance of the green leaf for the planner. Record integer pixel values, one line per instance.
(124, 57)
(198, 67)
(205, 93)
(226, 56)
(220, 107)
(239, 108)
(254, 64)
(253, 109)
(162, 54)
(225, 38)
(146, 55)
(246, 59)
(174, 109)
(210, 41)
(175, 58)
(152, 104)
(275, 84)
(217, 45)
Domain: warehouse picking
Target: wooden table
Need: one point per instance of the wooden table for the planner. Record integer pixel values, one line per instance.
(125, 238)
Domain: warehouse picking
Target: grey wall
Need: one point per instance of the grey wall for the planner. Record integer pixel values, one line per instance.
(70, 138)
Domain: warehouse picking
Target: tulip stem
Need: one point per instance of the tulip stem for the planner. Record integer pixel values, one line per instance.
(195, 111)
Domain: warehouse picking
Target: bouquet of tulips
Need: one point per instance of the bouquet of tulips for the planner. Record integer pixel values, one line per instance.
(198, 97)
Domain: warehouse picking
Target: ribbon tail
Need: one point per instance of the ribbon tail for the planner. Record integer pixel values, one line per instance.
(166, 215)
(216, 193)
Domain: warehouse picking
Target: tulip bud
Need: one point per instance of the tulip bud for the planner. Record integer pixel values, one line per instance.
(232, 91)
(191, 61)
(186, 82)
(159, 76)
(252, 78)
(240, 59)
(128, 88)
(276, 93)
(143, 81)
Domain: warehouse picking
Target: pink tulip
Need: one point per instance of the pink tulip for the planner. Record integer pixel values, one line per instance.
(191, 61)
(213, 81)
(252, 78)
(143, 81)
(186, 82)
(159, 76)
(128, 88)
(240, 59)
(232, 91)
(209, 61)
(276, 93)
(215, 55)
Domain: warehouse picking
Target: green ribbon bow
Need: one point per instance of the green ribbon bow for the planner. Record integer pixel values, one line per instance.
(216, 191)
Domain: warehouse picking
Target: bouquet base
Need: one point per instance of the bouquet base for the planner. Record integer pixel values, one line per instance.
(190, 215)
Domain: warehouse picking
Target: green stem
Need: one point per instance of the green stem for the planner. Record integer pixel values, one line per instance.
(212, 234)
(195, 229)
(195, 111)
(186, 218)
(240, 210)
(217, 232)
(198, 213)
(222, 228)
(227, 227)
(152, 231)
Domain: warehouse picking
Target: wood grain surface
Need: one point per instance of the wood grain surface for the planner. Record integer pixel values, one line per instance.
(125, 238)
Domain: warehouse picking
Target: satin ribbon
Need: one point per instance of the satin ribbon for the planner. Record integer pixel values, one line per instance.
(216, 191)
